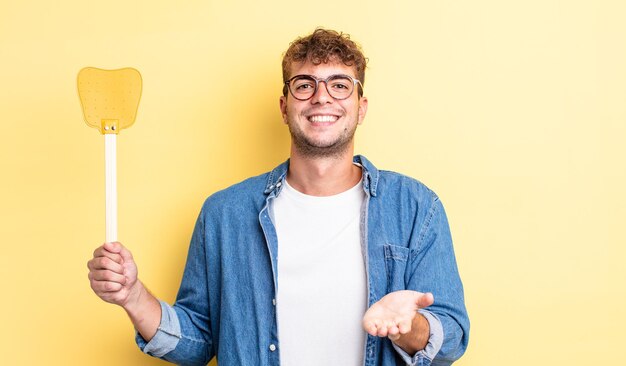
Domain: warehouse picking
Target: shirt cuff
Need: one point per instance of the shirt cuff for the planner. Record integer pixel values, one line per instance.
(167, 335)
(435, 341)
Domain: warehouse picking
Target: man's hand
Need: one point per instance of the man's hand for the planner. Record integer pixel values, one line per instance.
(113, 274)
(113, 277)
(395, 316)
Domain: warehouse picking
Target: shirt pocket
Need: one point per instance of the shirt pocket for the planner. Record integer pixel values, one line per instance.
(396, 258)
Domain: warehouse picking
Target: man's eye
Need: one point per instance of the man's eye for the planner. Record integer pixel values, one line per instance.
(304, 86)
(340, 86)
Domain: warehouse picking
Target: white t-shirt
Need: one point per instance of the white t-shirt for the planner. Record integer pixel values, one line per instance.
(322, 293)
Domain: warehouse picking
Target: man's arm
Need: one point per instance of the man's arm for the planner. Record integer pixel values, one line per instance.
(432, 269)
(180, 333)
(113, 277)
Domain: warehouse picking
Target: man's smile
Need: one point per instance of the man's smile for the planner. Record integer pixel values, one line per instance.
(322, 118)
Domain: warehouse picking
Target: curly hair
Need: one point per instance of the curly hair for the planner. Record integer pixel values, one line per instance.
(323, 46)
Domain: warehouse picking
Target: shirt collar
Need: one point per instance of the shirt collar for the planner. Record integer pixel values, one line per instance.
(276, 177)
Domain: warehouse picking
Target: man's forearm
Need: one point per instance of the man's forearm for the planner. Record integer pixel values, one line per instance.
(417, 338)
(144, 311)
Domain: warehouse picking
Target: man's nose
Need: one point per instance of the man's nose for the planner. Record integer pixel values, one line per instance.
(321, 95)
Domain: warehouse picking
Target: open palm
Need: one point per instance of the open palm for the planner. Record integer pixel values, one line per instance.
(392, 315)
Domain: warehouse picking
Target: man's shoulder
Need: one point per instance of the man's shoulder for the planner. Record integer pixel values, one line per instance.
(404, 196)
(239, 196)
(392, 182)
(253, 186)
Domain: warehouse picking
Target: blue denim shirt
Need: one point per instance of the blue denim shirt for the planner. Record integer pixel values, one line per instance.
(226, 303)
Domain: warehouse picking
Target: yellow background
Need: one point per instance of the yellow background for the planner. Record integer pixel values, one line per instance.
(512, 111)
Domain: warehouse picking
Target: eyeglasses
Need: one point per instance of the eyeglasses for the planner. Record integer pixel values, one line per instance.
(304, 87)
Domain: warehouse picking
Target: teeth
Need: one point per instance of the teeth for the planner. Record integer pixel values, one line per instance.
(323, 118)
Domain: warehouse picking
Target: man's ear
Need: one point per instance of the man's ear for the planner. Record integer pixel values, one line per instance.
(362, 109)
(283, 108)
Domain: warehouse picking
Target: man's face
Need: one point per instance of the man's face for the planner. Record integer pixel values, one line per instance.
(322, 126)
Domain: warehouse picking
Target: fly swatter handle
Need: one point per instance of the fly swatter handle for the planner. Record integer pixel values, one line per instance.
(110, 163)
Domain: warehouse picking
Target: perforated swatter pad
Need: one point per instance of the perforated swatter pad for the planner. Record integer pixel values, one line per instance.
(109, 98)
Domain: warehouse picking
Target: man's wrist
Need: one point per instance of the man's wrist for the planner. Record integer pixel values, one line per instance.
(136, 295)
(144, 310)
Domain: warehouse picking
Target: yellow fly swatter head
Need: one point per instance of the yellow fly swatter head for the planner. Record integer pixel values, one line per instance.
(109, 98)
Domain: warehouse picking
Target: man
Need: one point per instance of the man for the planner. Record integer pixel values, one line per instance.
(323, 261)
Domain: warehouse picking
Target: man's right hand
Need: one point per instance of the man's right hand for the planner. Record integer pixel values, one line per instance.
(113, 277)
(113, 274)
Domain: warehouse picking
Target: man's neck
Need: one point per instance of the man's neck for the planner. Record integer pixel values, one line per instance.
(323, 176)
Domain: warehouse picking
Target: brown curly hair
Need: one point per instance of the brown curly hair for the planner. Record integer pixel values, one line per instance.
(323, 46)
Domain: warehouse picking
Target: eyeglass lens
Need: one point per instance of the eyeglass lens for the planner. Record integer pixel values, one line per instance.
(338, 86)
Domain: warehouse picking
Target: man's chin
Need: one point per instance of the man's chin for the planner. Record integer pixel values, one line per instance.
(321, 149)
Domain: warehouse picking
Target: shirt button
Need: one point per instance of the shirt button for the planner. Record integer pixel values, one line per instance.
(274, 302)
(279, 184)
(272, 347)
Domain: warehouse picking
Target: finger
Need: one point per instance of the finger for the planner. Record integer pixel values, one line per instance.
(126, 255)
(100, 287)
(113, 247)
(117, 297)
(105, 263)
(394, 337)
(393, 331)
(425, 300)
(103, 252)
(106, 275)
(404, 327)
(371, 327)
(382, 331)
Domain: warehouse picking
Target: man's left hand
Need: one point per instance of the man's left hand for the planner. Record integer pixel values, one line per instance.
(393, 315)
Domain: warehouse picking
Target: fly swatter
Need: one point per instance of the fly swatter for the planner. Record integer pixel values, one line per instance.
(110, 99)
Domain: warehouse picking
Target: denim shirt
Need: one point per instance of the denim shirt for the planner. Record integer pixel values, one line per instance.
(226, 302)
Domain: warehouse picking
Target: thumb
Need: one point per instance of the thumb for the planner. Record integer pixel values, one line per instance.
(118, 248)
(425, 300)
(113, 247)
(127, 256)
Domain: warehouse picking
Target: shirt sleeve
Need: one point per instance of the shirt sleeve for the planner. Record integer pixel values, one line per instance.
(167, 336)
(432, 348)
(183, 336)
(434, 269)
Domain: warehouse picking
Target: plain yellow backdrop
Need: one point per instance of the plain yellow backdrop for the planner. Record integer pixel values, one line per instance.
(512, 111)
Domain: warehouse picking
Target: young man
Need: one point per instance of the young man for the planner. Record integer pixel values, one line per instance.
(323, 261)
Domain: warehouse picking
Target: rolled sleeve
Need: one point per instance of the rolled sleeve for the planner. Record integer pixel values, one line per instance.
(435, 340)
(167, 336)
